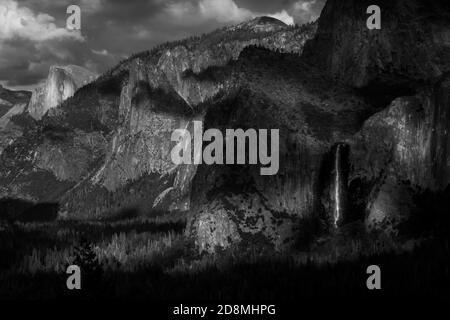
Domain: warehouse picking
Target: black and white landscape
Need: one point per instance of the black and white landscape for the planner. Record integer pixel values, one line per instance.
(86, 176)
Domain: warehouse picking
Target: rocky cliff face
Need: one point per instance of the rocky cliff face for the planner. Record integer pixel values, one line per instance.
(56, 151)
(403, 151)
(410, 136)
(61, 83)
(403, 68)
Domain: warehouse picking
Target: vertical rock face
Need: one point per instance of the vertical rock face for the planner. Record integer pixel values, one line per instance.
(411, 136)
(141, 145)
(412, 46)
(62, 82)
(402, 151)
(58, 151)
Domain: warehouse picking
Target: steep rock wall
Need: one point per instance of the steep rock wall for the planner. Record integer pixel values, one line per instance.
(61, 83)
(404, 150)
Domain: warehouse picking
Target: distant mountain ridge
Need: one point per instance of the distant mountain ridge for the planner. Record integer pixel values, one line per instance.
(260, 24)
(9, 98)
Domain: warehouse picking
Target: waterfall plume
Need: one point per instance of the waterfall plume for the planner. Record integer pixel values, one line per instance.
(337, 186)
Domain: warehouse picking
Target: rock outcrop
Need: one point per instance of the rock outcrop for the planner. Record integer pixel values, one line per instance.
(61, 83)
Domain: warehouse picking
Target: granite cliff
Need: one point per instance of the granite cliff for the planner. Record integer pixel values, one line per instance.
(19, 108)
(61, 83)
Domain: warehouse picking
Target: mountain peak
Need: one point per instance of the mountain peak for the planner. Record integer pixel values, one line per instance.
(261, 24)
(79, 75)
(61, 83)
(268, 20)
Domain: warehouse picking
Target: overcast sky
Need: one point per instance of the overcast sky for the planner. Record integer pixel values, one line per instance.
(33, 34)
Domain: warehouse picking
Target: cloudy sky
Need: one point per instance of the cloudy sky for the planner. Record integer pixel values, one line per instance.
(33, 33)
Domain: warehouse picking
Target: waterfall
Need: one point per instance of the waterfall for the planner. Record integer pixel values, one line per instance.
(337, 185)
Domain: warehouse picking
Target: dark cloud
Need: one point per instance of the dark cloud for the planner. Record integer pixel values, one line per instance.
(114, 29)
(265, 5)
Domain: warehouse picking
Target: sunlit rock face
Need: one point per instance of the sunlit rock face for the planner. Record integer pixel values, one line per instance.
(412, 46)
(404, 150)
(142, 143)
(391, 207)
(61, 83)
(411, 137)
(229, 206)
(227, 219)
(58, 151)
